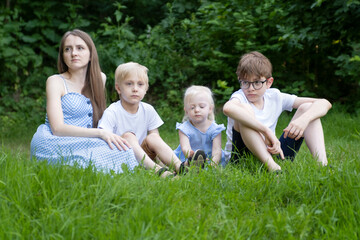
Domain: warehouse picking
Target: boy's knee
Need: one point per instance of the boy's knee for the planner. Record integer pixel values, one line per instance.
(129, 136)
(153, 137)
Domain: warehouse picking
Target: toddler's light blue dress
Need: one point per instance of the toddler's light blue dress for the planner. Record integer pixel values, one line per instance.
(200, 140)
(82, 151)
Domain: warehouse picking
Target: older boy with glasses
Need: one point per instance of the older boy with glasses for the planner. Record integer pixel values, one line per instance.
(253, 112)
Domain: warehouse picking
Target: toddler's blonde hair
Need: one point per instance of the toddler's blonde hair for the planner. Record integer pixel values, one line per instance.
(123, 71)
(195, 90)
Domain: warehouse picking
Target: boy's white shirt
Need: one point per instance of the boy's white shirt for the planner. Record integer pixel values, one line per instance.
(117, 120)
(275, 102)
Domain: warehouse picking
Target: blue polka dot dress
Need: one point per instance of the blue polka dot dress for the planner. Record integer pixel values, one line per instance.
(82, 151)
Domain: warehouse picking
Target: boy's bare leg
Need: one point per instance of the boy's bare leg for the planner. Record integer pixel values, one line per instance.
(163, 151)
(314, 136)
(159, 162)
(140, 155)
(255, 143)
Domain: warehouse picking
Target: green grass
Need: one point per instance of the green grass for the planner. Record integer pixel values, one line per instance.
(40, 201)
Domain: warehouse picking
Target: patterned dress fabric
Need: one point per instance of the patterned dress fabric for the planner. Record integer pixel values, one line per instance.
(80, 151)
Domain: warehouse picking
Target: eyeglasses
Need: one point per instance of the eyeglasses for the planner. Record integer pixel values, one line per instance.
(256, 84)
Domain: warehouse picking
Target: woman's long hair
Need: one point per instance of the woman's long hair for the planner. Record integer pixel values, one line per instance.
(94, 88)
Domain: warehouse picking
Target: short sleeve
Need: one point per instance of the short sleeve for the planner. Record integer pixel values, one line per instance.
(154, 120)
(239, 95)
(218, 128)
(107, 120)
(287, 101)
(183, 128)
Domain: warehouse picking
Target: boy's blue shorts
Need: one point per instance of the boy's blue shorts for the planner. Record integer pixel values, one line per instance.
(289, 146)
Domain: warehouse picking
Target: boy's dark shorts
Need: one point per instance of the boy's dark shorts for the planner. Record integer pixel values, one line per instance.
(289, 146)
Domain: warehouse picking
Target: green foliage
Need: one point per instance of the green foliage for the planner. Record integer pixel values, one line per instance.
(29, 34)
(201, 44)
(313, 46)
(332, 37)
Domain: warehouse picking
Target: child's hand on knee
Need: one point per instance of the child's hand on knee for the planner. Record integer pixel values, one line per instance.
(295, 129)
(273, 144)
(276, 149)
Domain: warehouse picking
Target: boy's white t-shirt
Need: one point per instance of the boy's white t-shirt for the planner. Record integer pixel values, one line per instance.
(117, 120)
(275, 102)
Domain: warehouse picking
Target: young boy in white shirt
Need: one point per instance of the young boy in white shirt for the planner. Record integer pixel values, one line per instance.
(137, 122)
(253, 112)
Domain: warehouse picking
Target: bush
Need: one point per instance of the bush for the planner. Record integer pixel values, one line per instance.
(313, 46)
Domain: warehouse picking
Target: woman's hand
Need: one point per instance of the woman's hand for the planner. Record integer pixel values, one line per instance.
(115, 139)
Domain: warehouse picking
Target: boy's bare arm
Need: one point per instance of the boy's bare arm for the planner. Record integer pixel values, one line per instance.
(318, 109)
(243, 114)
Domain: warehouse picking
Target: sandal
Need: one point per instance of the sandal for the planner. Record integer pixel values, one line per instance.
(182, 169)
(164, 169)
(198, 159)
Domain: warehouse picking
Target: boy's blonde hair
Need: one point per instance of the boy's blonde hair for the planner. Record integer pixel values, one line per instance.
(125, 69)
(195, 90)
(254, 64)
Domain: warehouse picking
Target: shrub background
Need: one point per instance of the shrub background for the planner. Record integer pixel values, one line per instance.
(313, 46)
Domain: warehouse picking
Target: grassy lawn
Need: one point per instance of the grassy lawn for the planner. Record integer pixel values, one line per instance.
(40, 201)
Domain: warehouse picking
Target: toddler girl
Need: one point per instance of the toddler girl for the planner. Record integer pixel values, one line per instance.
(199, 130)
